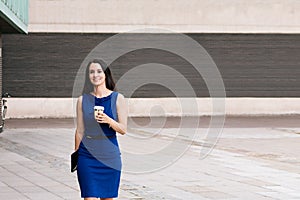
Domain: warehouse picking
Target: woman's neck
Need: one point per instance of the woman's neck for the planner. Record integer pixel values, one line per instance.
(101, 91)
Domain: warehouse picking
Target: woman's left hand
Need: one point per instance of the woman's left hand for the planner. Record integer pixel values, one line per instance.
(103, 118)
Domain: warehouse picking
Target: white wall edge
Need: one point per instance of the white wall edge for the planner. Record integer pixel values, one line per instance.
(143, 107)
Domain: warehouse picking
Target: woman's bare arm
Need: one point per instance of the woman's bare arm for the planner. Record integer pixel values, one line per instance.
(120, 126)
(80, 126)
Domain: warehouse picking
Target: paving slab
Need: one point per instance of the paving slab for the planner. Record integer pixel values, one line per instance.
(248, 162)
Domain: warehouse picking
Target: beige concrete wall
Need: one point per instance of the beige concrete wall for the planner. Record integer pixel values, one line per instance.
(64, 107)
(238, 16)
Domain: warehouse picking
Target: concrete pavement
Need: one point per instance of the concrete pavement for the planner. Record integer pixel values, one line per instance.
(255, 158)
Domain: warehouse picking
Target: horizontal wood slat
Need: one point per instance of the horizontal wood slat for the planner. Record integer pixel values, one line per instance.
(252, 65)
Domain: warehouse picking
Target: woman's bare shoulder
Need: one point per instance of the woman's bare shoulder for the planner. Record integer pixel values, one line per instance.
(79, 100)
(120, 99)
(120, 96)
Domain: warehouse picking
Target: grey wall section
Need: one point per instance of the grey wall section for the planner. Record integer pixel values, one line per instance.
(252, 65)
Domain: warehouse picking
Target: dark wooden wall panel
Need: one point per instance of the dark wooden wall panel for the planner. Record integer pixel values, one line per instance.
(252, 65)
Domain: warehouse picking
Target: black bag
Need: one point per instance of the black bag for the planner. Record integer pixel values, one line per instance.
(74, 160)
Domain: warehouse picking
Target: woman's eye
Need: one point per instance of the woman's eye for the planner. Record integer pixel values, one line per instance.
(98, 71)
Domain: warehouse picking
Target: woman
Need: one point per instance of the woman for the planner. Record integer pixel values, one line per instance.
(99, 160)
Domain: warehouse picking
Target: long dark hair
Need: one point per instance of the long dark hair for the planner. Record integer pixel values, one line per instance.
(109, 81)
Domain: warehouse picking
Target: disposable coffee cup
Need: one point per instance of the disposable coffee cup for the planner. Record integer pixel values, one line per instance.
(98, 110)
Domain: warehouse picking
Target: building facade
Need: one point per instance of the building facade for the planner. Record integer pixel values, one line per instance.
(13, 20)
(254, 45)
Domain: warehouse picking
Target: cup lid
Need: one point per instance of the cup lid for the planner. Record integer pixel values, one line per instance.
(98, 107)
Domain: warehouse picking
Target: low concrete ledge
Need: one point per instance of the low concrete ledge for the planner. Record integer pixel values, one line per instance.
(143, 107)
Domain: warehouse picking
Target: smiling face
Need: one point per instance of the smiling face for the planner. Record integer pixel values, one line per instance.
(96, 74)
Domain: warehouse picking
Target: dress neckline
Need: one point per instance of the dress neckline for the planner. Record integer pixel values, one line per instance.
(102, 97)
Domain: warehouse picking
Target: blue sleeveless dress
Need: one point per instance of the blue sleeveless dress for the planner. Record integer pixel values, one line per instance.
(99, 160)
